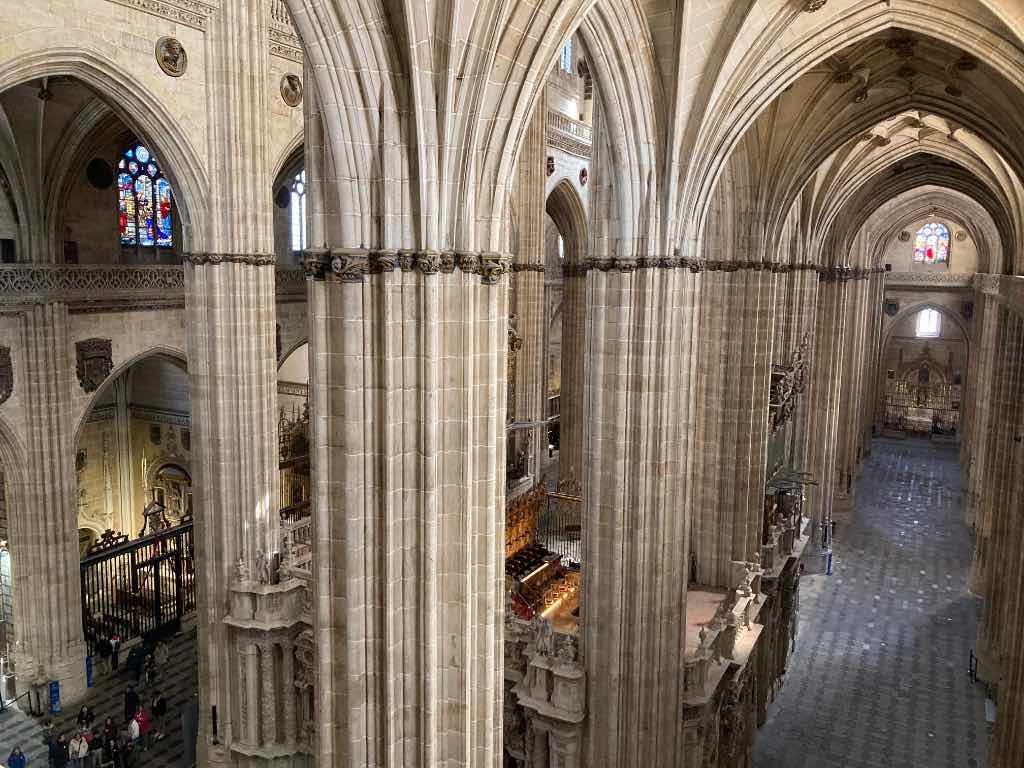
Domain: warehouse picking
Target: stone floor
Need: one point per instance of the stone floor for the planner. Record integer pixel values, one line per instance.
(879, 675)
(178, 682)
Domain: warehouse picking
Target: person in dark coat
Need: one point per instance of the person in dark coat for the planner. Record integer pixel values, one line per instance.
(131, 703)
(59, 752)
(159, 709)
(17, 759)
(115, 650)
(104, 650)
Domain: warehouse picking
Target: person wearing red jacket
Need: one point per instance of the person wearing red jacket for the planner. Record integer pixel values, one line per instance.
(142, 718)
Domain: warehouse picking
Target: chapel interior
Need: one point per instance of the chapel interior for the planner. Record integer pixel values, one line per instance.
(519, 383)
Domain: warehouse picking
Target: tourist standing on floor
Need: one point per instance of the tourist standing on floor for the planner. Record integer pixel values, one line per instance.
(17, 759)
(77, 750)
(104, 650)
(159, 709)
(142, 718)
(85, 718)
(59, 752)
(124, 740)
(115, 650)
(131, 703)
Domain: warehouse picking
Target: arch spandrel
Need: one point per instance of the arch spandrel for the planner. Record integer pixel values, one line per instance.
(173, 138)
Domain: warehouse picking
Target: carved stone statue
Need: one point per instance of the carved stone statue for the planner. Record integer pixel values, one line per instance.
(262, 568)
(543, 636)
(566, 648)
(242, 571)
(171, 56)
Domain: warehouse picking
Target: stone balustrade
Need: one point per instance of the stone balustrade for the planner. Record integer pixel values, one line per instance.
(572, 136)
(115, 287)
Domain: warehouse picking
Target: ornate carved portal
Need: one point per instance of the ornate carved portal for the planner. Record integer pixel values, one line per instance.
(94, 362)
(6, 374)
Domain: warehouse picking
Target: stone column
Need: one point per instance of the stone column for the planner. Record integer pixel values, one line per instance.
(124, 520)
(528, 289)
(407, 359)
(43, 521)
(642, 323)
(251, 668)
(230, 307)
(735, 358)
(824, 392)
(980, 403)
(288, 676)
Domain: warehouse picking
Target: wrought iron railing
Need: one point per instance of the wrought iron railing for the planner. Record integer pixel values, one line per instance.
(138, 588)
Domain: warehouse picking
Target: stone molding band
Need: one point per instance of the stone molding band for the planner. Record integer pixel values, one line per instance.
(352, 265)
(826, 273)
(528, 268)
(252, 259)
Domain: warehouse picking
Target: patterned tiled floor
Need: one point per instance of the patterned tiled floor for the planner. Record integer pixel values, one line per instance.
(879, 675)
(177, 682)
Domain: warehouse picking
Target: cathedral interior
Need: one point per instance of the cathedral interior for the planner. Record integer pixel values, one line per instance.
(516, 383)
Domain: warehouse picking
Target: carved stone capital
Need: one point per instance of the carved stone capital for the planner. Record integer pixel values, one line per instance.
(383, 261)
(350, 265)
(446, 261)
(252, 259)
(406, 259)
(315, 262)
(470, 262)
(492, 267)
(427, 262)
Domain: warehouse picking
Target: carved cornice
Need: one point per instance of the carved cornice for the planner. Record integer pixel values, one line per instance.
(101, 413)
(160, 415)
(929, 279)
(284, 39)
(295, 388)
(252, 259)
(352, 265)
(190, 13)
(528, 268)
(113, 288)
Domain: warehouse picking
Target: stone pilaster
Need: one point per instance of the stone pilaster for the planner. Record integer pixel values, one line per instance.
(979, 404)
(824, 394)
(43, 520)
(408, 383)
(639, 401)
(528, 290)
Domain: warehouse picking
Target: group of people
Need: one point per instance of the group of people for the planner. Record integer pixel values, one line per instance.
(111, 745)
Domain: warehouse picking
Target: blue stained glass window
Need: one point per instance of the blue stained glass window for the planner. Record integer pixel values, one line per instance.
(144, 200)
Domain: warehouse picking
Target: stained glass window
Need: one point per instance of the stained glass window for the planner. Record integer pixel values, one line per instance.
(143, 199)
(298, 211)
(932, 244)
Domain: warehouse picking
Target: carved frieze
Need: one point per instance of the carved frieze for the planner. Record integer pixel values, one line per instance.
(787, 381)
(6, 374)
(190, 13)
(94, 363)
